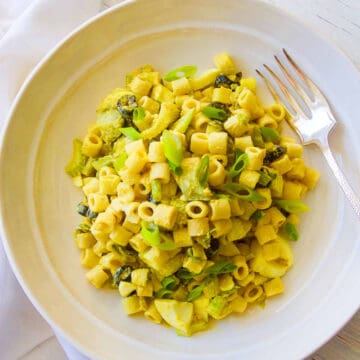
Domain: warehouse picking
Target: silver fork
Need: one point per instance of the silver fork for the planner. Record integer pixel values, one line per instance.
(314, 128)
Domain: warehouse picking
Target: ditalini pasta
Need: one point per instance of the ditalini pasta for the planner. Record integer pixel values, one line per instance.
(191, 195)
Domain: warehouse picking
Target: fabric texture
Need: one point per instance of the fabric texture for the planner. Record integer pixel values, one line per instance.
(28, 30)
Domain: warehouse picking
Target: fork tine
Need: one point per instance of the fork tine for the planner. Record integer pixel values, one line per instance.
(304, 77)
(291, 100)
(270, 87)
(303, 95)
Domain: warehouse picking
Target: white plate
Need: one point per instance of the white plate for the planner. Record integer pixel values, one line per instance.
(38, 200)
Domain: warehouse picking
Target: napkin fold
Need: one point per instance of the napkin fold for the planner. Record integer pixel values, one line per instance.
(40, 27)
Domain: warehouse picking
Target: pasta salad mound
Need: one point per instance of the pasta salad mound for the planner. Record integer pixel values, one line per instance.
(191, 195)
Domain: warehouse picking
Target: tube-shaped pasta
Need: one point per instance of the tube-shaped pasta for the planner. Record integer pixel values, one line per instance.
(146, 211)
(156, 152)
(196, 209)
(165, 216)
(181, 86)
(142, 188)
(98, 202)
(92, 145)
(264, 204)
(89, 259)
(217, 173)
(199, 143)
(277, 112)
(97, 276)
(108, 184)
(161, 172)
(149, 104)
(140, 87)
(252, 293)
(198, 227)
(243, 142)
(256, 156)
(220, 209)
(189, 104)
(268, 121)
(125, 193)
(222, 95)
(217, 143)
(221, 227)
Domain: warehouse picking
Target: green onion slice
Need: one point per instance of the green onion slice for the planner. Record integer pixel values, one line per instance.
(101, 162)
(183, 123)
(169, 282)
(138, 114)
(119, 162)
(242, 192)
(240, 163)
(156, 190)
(221, 267)
(292, 206)
(163, 293)
(172, 146)
(185, 274)
(291, 231)
(154, 237)
(131, 133)
(203, 172)
(270, 134)
(195, 293)
(184, 71)
(214, 113)
(256, 137)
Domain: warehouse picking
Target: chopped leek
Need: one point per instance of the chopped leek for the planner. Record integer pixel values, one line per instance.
(291, 231)
(119, 162)
(154, 237)
(78, 160)
(195, 293)
(138, 114)
(183, 123)
(101, 162)
(240, 163)
(169, 282)
(184, 71)
(156, 190)
(257, 137)
(242, 192)
(203, 172)
(270, 134)
(221, 267)
(292, 206)
(131, 133)
(214, 113)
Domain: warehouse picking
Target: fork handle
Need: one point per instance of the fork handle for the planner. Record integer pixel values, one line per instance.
(340, 177)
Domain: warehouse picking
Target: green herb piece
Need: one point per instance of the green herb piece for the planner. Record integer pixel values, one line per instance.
(173, 148)
(154, 237)
(176, 169)
(240, 163)
(292, 206)
(83, 228)
(203, 172)
(163, 293)
(242, 192)
(138, 114)
(185, 274)
(183, 123)
(214, 113)
(265, 177)
(169, 282)
(270, 134)
(216, 306)
(121, 274)
(131, 133)
(101, 162)
(77, 162)
(119, 162)
(274, 154)
(221, 267)
(291, 231)
(257, 137)
(156, 190)
(184, 71)
(195, 293)
(257, 215)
